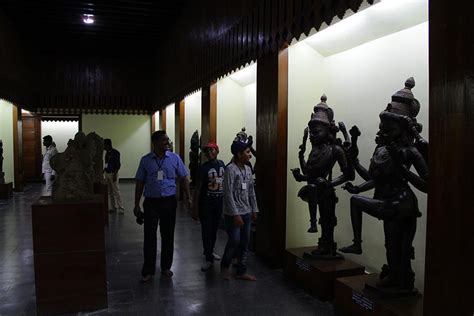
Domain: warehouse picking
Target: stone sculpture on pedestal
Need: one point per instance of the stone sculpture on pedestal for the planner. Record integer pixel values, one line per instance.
(326, 150)
(76, 168)
(399, 147)
(97, 148)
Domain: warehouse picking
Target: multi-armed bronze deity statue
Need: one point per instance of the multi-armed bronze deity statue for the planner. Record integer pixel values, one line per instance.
(326, 150)
(399, 147)
(194, 157)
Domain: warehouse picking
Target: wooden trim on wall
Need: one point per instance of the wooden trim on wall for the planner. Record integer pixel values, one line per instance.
(163, 119)
(209, 114)
(179, 128)
(152, 128)
(213, 113)
(153, 124)
(450, 214)
(272, 130)
(18, 150)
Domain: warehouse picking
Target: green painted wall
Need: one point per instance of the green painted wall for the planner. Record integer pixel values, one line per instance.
(6, 135)
(130, 134)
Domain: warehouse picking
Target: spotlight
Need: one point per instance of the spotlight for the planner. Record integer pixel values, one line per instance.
(88, 18)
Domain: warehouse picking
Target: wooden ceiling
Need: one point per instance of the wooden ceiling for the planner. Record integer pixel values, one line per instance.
(48, 22)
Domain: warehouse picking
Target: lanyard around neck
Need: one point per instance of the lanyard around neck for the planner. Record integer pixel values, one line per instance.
(159, 162)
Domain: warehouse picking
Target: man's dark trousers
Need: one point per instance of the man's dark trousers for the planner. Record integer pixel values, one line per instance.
(163, 211)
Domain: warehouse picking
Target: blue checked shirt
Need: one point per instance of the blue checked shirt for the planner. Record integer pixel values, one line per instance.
(172, 167)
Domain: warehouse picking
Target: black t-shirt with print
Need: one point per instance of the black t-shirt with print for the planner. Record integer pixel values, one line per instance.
(211, 175)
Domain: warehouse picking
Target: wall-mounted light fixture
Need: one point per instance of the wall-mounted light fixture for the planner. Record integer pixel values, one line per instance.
(88, 18)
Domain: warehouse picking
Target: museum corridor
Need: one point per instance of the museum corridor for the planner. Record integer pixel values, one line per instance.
(189, 292)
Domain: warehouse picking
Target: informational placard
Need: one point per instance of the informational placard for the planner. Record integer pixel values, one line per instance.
(302, 265)
(362, 301)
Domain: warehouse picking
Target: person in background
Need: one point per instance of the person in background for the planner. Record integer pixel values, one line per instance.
(240, 208)
(156, 180)
(47, 171)
(208, 201)
(112, 167)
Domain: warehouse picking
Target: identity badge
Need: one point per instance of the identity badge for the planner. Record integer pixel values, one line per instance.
(244, 186)
(160, 175)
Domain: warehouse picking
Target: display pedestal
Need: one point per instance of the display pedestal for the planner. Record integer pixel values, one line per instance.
(317, 276)
(6, 190)
(101, 188)
(69, 256)
(353, 298)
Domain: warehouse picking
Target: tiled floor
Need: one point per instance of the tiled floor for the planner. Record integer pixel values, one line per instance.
(189, 292)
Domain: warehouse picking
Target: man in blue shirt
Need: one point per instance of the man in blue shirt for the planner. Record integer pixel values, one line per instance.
(156, 180)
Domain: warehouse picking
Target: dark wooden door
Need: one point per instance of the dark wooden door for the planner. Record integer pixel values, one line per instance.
(32, 147)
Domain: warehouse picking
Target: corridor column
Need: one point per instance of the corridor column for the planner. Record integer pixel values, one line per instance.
(179, 128)
(272, 122)
(450, 215)
(18, 150)
(209, 113)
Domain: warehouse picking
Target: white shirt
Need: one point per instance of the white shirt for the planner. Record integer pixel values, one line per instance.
(50, 152)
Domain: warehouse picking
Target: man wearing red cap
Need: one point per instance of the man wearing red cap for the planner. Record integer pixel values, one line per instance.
(209, 201)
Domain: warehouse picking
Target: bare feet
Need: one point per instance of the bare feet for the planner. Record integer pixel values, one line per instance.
(225, 273)
(147, 278)
(246, 277)
(167, 273)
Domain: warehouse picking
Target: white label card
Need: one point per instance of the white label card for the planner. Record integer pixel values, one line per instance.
(219, 180)
(244, 186)
(160, 175)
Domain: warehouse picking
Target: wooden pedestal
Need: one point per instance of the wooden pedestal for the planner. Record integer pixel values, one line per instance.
(6, 190)
(101, 188)
(351, 299)
(318, 276)
(69, 256)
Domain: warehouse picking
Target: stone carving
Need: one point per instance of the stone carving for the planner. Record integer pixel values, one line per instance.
(98, 158)
(2, 174)
(76, 168)
(194, 157)
(326, 150)
(399, 147)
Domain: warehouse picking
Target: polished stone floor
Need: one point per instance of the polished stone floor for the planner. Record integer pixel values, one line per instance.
(189, 292)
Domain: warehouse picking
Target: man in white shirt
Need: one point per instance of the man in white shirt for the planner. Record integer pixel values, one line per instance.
(48, 172)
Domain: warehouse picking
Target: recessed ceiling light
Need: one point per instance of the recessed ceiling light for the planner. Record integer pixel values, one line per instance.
(88, 18)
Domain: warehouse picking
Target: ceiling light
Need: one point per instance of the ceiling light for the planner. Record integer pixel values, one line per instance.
(88, 18)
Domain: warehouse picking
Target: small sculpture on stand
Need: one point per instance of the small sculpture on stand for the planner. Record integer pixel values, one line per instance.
(194, 157)
(75, 168)
(399, 147)
(2, 174)
(326, 150)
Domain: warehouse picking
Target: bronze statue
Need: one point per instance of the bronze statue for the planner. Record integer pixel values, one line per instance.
(2, 174)
(194, 157)
(326, 150)
(399, 147)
